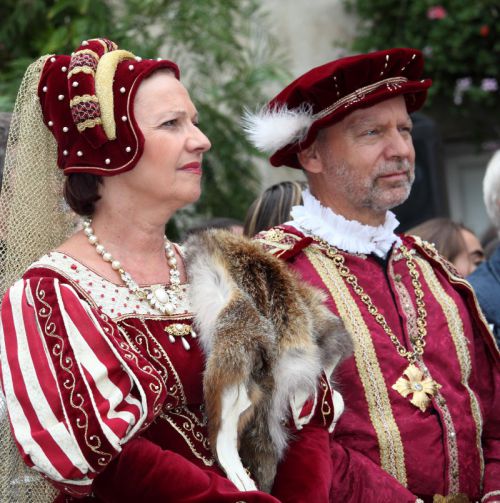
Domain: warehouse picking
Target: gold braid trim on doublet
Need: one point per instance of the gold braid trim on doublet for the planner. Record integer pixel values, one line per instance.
(455, 326)
(392, 458)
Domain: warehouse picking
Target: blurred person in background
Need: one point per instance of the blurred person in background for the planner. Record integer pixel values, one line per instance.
(486, 278)
(454, 241)
(273, 206)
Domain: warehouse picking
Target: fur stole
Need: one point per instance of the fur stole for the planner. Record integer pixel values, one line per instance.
(267, 338)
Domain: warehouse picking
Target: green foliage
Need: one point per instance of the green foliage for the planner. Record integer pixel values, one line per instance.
(227, 60)
(460, 39)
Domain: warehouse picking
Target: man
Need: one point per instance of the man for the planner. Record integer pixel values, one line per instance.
(421, 392)
(486, 278)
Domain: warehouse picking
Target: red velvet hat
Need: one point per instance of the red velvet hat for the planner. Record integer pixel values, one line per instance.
(87, 103)
(326, 94)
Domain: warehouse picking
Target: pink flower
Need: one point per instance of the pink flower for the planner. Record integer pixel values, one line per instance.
(436, 12)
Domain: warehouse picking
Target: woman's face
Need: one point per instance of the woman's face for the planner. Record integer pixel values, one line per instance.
(471, 256)
(169, 170)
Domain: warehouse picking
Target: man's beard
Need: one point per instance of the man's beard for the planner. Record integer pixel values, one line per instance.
(368, 193)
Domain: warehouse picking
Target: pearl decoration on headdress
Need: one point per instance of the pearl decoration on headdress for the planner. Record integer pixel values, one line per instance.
(65, 152)
(44, 89)
(75, 84)
(107, 161)
(50, 123)
(128, 149)
(60, 97)
(65, 129)
(138, 59)
(124, 118)
(63, 68)
(79, 153)
(122, 90)
(85, 42)
(52, 60)
(130, 67)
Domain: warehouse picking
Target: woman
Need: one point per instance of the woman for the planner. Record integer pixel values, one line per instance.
(101, 369)
(454, 241)
(273, 207)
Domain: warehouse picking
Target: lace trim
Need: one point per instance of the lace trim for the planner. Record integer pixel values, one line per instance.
(349, 235)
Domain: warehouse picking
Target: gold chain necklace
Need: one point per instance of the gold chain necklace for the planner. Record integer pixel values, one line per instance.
(421, 387)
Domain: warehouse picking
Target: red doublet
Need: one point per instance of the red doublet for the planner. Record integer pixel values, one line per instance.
(451, 448)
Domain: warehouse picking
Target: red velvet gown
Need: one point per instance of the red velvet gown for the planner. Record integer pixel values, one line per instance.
(384, 449)
(105, 399)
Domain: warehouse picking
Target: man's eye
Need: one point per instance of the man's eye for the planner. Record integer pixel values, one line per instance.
(371, 132)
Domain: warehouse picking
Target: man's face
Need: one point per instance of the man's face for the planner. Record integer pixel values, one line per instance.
(365, 163)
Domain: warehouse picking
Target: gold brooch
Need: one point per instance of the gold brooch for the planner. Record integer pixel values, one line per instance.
(421, 387)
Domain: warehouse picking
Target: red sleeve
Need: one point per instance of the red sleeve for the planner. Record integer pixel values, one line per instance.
(74, 390)
(145, 472)
(305, 474)
(356, 478)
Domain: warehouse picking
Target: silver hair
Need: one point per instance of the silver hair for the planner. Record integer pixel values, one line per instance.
(491, 189)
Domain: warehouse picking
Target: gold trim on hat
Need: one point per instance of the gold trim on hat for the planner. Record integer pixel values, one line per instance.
(84, 98)
(104, 77)
(81, 69)
(89, 123)
(391, 83)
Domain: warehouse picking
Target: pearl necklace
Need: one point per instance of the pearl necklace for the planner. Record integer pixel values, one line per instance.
(163, 299)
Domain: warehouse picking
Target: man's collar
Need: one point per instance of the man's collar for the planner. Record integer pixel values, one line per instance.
(351, 236)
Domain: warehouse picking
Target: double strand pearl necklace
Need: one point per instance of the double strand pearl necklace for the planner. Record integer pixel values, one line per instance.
(159, 297)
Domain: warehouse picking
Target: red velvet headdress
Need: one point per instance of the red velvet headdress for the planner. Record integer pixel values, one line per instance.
(87, 103)
(326, 94)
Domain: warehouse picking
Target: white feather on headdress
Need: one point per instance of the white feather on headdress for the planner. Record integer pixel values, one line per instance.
(272, 129)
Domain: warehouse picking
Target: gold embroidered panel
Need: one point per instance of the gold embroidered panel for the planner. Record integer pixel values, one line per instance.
(392, 456)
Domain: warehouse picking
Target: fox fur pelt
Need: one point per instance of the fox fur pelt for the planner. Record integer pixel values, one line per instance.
(267, 337)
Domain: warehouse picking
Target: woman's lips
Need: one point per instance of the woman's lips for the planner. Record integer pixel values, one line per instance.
(192, 167)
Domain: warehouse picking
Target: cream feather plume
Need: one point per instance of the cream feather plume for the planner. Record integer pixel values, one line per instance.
(272, 129)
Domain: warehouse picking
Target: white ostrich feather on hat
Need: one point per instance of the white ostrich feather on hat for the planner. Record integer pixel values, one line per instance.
(272, 129)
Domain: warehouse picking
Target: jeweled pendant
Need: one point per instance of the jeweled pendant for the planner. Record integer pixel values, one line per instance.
(161, 295)
(422, 388)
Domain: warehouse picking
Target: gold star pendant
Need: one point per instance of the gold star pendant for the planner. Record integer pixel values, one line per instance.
(421, 388)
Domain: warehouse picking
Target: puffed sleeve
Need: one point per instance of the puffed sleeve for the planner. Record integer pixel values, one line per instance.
(75, 390)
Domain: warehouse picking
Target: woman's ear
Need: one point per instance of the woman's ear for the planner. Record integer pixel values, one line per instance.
(310, 159)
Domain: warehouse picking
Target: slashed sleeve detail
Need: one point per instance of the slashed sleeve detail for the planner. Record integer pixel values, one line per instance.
(75, 390)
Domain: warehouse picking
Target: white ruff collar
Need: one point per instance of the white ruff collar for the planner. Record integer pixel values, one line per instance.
(349, 235)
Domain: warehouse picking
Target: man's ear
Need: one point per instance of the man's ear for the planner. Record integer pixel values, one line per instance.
(310, 159)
